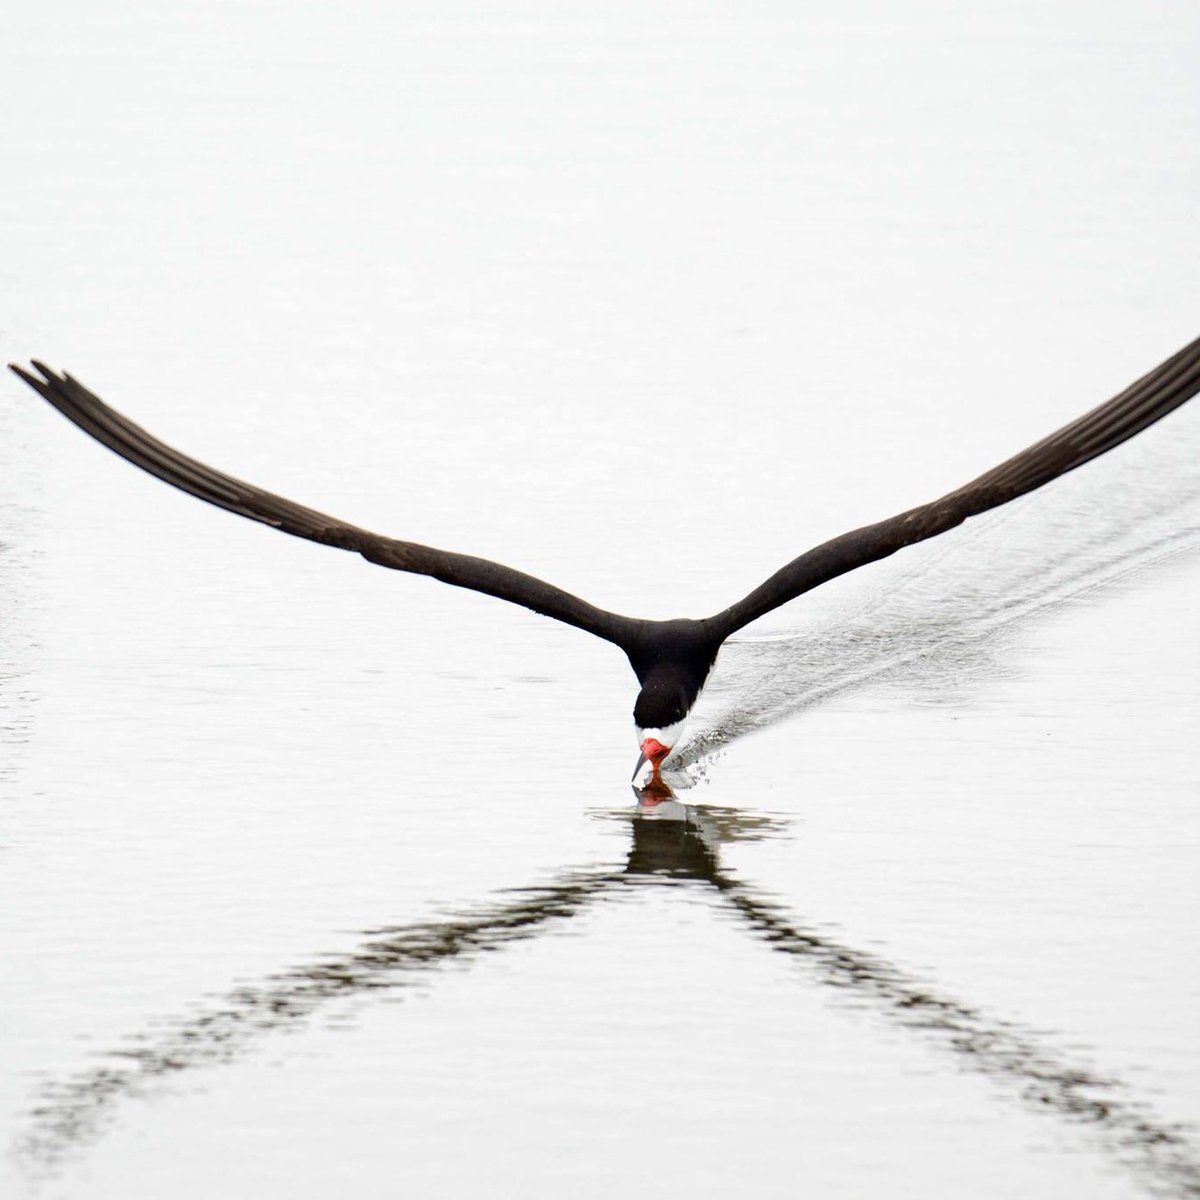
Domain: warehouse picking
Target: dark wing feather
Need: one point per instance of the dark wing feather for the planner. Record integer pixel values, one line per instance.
(1139, 405)
(137, 446)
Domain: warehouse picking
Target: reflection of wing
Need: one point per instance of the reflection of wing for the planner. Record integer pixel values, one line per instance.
(1138, 406)
(73, 1112)
(142, 449)
(1162, 1151)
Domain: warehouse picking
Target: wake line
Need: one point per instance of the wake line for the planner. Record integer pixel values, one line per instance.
(933, 617)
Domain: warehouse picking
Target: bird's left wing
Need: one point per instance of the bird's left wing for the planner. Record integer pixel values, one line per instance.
(1141, 404)
(144, 450)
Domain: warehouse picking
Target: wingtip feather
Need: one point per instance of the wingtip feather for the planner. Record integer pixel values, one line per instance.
(39, 385)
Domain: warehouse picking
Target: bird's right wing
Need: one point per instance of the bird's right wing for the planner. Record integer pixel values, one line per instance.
(1141, 404)
(135, 445)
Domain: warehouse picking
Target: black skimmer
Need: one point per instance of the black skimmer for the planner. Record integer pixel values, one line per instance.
(671, 659)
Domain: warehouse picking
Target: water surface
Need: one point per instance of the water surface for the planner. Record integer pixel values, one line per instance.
(318, 878)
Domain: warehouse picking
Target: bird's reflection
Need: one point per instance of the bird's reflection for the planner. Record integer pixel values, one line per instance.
(671, 838)
(673, 842)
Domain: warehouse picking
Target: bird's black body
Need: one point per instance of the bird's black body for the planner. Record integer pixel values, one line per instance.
(671, 659)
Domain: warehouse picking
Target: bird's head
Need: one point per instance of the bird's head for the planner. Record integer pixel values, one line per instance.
(659, 716)
(655, 744)
(671, 660)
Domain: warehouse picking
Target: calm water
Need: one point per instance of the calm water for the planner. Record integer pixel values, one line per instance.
(317, 879)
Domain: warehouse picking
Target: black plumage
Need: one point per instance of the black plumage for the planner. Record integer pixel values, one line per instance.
(671, 659)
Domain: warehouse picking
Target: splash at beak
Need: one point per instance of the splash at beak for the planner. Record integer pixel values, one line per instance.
(653, 752)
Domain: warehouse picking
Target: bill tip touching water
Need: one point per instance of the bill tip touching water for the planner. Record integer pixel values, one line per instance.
(671, 659)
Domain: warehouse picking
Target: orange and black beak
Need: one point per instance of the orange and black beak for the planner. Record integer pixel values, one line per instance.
(653, 752)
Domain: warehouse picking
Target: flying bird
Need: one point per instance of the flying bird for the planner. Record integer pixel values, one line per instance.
(671, 659)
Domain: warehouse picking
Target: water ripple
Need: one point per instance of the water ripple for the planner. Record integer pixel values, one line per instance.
(934, 618)
(674, 844)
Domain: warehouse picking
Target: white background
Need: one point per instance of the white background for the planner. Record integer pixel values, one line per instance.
(644, 299)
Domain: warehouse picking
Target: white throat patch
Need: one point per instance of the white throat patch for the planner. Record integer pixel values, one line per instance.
(668, 735)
